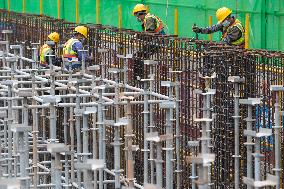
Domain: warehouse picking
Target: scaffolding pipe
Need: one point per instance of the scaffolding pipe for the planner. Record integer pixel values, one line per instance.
(237, 135)
(277, 142)
(145, 129)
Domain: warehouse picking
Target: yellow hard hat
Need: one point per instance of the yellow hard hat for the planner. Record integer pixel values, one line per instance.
(82, 30)
(54, 37)
(139, 8)
(222, 13)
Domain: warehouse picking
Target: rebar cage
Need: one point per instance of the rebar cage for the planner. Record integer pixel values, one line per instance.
(260, 68)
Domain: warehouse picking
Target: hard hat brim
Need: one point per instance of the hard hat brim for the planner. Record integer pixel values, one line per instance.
(52, 39)
(230, 12)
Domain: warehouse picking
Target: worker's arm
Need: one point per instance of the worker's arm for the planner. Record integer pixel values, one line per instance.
(211, 29)
(150, 24)
(234, 33)
(76, 47)
(207, 30)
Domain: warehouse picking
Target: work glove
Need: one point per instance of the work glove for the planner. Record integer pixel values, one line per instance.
(196, 29)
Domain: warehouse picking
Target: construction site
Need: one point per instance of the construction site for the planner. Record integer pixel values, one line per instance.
(144, 110)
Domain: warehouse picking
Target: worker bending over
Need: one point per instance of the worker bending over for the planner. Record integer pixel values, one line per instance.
(49, 49)
(149, 23)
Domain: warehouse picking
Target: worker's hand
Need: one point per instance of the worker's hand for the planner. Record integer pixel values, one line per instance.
(196, 29)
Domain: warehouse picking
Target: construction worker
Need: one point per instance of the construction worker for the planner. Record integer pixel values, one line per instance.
(49, 49)
(232, 30)
(149, 22)
(71, 50)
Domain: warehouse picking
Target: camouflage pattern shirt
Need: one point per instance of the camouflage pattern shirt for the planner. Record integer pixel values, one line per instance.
(233, 33)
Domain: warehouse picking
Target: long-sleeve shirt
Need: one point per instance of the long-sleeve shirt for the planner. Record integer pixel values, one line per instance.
(76, 47)
(233, 33)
